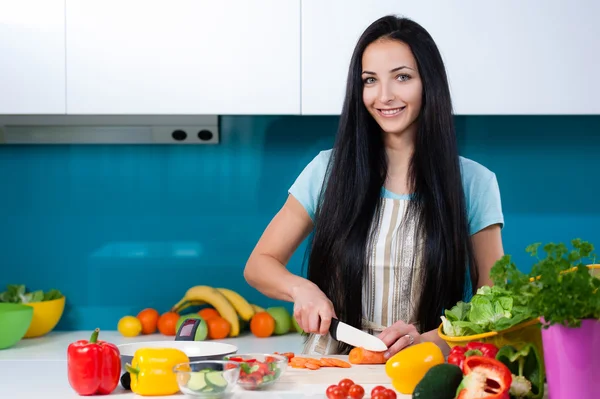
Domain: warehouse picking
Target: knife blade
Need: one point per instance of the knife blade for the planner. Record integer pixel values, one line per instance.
(341, 331)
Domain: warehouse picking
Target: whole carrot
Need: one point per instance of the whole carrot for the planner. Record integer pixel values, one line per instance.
(360, 355)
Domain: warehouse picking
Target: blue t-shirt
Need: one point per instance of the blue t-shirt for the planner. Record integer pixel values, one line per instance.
(482, 194)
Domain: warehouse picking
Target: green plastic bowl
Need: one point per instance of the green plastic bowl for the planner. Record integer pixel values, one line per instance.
(15, 320)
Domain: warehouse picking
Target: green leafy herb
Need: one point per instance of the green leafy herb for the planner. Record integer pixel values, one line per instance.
(550, 292)
(19, 294)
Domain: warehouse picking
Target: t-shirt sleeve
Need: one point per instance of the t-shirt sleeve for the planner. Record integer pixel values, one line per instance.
(307, 187)
(485, 205)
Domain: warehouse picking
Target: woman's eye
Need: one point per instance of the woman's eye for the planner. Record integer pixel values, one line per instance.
(403, 78)
(369, 80)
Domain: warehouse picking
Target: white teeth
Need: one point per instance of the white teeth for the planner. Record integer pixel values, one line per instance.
(390, 111)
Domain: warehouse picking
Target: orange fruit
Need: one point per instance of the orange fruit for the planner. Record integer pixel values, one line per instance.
(149, 319)
(218, 328)
(208, 313)
(167, 323)
(262, 324)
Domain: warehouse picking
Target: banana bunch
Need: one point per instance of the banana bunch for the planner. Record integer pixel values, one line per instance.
(228, 303)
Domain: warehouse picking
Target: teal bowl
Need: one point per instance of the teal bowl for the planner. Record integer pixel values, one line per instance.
(15, 320)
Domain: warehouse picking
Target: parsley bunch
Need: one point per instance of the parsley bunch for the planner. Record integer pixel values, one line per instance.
(556, 296)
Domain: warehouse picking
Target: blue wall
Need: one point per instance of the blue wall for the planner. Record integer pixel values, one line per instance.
(120, 228)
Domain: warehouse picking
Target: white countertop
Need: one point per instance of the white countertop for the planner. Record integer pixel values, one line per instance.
(53, 347)
(37, 367)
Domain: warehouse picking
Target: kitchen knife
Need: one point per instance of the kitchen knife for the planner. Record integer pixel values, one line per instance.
(353, 336)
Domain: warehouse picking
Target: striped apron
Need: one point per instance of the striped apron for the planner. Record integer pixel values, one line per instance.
(391, 286)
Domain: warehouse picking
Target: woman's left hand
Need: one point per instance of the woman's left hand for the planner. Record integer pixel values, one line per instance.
(398, 336)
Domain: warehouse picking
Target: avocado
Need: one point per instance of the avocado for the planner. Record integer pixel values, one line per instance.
(126, 381)
(440, 382)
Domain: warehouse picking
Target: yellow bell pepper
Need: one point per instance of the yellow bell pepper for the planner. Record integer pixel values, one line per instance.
(407, 367)
(151, 371)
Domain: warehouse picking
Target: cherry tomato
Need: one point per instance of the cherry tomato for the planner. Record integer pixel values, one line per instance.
(335, 393)
(356, 392)
(391, 394)
(345, 384)
(379, 395)
(330, 389)
(377, 390)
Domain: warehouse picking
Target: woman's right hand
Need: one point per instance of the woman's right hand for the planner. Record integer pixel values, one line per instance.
(312, 309)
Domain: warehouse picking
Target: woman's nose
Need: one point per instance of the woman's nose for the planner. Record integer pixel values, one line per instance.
(386, 95)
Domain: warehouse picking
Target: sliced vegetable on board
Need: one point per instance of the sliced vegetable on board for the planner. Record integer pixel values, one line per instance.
(315, 364)
(527, 370)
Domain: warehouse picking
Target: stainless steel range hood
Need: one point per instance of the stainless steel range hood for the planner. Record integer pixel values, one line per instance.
(109, 129)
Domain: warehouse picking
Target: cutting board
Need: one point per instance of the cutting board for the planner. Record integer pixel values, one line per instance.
(314, 382)
(360, 374)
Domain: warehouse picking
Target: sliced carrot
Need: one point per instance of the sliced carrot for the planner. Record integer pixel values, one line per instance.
(297, 361)
(339, 363)
(363, 356)
(315, 362)
(312, 366)
(326, 362)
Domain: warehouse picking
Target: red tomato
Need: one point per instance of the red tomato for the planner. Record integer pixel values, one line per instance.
(330, 389)
(379, 395)
(391, 394)
(335, 393)
(356, 392)
(345, 384)
(377, 390)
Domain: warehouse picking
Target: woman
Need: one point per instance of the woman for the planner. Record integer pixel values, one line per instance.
(403, 227)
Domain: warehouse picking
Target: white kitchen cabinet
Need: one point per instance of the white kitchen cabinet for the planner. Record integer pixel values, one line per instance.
(183, 57)
(509, 57)
(32, 57)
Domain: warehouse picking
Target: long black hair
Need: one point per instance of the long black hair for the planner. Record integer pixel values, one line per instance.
(350, 197)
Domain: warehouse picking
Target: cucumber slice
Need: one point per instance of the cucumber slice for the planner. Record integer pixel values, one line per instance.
(215, 380)
(254, 368)
(197, 381)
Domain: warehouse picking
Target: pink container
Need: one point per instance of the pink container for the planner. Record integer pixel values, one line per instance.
(572, 360)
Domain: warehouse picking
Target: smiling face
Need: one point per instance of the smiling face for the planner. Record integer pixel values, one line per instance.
(392, 88)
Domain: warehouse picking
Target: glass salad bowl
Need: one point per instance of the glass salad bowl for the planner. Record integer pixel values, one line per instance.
(207, 378)
(258, 370)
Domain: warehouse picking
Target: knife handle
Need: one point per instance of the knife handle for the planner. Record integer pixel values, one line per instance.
(333, 328)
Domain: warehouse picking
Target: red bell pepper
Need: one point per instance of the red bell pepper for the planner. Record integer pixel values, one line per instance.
(481, 349)
(459, 353)
(485, 378)
(94, 367)
(457, 356)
